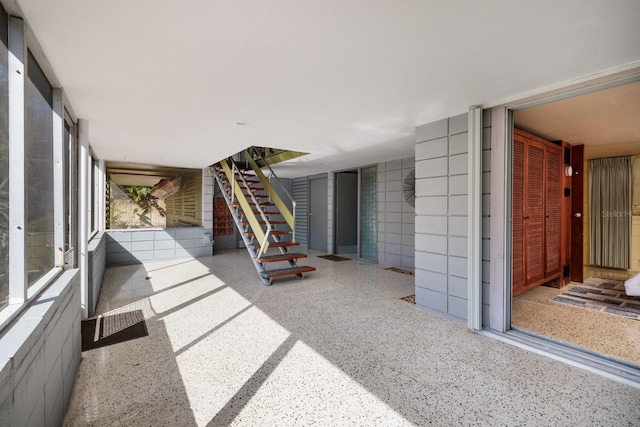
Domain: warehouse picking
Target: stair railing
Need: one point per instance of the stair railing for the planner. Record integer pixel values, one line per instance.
(289, 217)
(260, 234)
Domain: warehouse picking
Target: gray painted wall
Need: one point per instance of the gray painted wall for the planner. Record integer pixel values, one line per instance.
(441, 216)
(97, 263)
(396, 218)
(40, 355)
(136, 246)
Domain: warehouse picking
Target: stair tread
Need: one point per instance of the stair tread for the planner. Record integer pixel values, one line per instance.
(248, 181)
(268, 274)
(253, 204)
(264, 223)
(280, 257)
(254, 188)
(273, 233)
(278, 245)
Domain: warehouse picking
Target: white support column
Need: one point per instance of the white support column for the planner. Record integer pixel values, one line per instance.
(17, 193)
(101, 196)
(58, 176)
(474, 241)
(83, 213)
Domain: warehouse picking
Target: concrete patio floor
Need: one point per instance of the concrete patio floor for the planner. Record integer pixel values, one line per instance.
(337, 348)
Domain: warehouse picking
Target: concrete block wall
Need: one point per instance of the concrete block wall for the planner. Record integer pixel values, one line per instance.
(331, 184)
(396, 218)
(207, 198)
(39, 357)
(97, 264)
(441, 216)
(135, 246)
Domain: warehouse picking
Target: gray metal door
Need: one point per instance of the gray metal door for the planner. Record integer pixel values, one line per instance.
(318, 213)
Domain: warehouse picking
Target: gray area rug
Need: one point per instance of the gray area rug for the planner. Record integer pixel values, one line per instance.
(605, 295)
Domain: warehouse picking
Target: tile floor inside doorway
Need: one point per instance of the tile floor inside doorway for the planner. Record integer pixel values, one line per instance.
(337, 348)
(603, 333)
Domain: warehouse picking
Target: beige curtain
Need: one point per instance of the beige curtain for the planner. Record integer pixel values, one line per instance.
(610, 195)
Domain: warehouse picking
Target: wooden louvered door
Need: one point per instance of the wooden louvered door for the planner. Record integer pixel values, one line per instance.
(553, 170)
(517, 224)
(534, 212)
(536, 199)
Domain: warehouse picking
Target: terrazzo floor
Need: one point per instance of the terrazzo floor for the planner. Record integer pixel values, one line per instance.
(338, 348)
(604, 333)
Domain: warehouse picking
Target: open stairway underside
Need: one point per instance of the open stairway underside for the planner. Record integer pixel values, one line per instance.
(262, 217)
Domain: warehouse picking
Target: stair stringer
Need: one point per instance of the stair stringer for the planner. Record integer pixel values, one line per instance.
(248, 241)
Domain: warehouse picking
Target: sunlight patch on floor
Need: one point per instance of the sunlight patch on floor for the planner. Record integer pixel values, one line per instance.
(307, 389)
(218, 366)
(196, 320)
(164, 301)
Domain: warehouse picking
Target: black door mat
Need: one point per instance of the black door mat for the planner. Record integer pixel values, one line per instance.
(604, 295)
(113, 329)
(334, 257)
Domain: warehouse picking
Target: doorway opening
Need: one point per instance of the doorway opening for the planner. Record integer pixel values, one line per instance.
(356, 209)
(560, 291)
(346, 232)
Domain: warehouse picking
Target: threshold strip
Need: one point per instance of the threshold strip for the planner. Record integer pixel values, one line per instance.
(618, 370)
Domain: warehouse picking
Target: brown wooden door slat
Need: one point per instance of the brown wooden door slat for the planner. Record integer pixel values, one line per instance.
(517, 214)
(552, 217)
(534, 214)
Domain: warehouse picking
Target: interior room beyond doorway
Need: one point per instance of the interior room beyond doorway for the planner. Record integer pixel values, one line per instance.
(606, 124)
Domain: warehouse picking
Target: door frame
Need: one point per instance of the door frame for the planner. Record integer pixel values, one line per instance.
(499, 310)
(334, 236)
(500, 199)
(336, 209)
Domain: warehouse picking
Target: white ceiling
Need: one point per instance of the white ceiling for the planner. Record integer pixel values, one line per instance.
(610, 116)
(166, 82)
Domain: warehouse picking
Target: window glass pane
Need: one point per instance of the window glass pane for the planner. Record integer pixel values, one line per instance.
(39, 173)
(4, 163)
(369, 213)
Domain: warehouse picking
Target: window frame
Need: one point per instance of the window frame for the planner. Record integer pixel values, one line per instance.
(21, 43)
(4, 21)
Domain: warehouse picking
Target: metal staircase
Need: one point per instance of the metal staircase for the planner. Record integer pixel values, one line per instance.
(253, 202)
